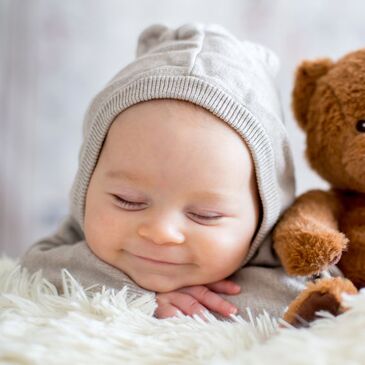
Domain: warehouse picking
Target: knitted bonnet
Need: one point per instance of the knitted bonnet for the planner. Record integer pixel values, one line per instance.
(209, 67)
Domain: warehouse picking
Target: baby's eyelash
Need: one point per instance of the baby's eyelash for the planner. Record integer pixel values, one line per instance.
(127, 203)
(205, 217)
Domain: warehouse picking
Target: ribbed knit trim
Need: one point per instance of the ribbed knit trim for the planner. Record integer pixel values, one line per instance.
(201, 93)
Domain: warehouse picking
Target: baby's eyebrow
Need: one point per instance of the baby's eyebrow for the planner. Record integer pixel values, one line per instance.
(214, 195)
(114, 174)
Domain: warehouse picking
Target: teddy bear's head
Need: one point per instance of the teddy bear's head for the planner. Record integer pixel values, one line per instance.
(329, 105)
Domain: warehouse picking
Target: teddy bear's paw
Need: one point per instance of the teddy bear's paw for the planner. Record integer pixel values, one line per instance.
(307, 310)
(322, 295)
(310, 252)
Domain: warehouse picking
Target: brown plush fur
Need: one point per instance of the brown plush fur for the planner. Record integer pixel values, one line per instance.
(325, 295)
(325, 227)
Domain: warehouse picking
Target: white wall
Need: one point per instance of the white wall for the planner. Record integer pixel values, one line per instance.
(55, 55)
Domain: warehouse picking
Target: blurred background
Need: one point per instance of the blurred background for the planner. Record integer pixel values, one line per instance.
(55, 55)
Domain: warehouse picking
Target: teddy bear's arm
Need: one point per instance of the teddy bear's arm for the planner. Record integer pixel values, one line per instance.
(352, 262)
(307, 239)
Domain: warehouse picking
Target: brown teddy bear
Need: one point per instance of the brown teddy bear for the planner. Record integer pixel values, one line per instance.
(323, 228)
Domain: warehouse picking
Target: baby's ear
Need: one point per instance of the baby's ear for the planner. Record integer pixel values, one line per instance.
(305, 83)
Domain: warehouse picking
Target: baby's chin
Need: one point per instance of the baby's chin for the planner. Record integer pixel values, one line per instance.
(159, 284)
(163, 283)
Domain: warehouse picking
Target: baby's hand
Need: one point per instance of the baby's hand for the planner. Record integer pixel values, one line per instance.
(195, 299)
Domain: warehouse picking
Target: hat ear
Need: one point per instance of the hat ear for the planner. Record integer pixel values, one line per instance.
(306, 77)
(150, 37)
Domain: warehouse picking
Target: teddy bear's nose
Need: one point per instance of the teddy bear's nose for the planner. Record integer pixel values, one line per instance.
(360, 125)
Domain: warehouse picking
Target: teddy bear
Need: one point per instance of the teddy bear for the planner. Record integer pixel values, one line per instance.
(324, 228)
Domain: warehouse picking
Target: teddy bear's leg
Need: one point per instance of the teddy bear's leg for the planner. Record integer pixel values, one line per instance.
(324, 294)
(307, 239)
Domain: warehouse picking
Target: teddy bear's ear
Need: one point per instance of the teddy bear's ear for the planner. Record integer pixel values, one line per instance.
(306, 78)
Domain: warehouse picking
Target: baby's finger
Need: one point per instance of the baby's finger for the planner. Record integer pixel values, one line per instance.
(186, 303)
(210, 299)
(224, 286)
(166, 310)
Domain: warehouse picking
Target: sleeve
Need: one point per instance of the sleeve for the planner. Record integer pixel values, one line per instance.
(67, 249)
(264, 289)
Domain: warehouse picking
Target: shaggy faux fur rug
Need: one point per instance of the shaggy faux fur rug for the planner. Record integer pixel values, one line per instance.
(37, 326)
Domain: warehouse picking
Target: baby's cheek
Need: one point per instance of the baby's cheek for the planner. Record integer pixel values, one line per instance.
(222, 254)
(101, 231)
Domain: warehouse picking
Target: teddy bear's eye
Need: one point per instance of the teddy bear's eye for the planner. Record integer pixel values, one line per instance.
(360, 125)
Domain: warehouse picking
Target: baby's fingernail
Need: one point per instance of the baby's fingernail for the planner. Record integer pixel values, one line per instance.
(233, 310)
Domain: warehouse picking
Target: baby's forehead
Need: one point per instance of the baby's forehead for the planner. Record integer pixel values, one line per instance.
(176, 124)
(170, 140)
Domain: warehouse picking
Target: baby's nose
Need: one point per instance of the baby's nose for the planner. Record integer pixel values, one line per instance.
(161, 231)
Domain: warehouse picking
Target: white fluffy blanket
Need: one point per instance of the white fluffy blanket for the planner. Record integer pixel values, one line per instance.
(39, 327)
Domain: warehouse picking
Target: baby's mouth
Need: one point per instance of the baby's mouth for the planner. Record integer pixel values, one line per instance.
(147, 259)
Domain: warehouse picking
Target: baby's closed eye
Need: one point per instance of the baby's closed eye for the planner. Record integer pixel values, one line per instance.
(135, 205)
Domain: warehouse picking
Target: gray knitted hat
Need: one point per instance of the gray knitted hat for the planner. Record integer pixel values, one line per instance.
(209, 67)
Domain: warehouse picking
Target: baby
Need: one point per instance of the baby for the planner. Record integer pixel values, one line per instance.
(184, 169)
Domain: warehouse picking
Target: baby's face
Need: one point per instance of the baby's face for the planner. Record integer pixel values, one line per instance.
(176, 185)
